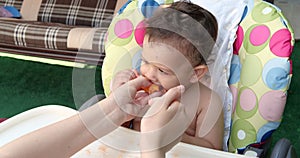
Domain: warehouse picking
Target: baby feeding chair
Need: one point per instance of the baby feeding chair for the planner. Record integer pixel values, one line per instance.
(254, 68)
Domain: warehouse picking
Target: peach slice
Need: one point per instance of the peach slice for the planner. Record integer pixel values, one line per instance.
(152, 88)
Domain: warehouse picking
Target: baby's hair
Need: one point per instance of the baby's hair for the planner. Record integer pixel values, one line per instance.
(186, 27)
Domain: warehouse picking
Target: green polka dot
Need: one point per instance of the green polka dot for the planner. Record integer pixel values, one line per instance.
(134, 17)
(113, 38)
(263, 12)
(119, 41)
(240, 111)
(249, 47)
(251, 70)
(169, 1)
(243, 134)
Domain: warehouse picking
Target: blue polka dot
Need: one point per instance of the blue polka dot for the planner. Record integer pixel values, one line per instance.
(276, 74)
(148, 7)
(123, 7)
(277, 78)
(235, 70)
(137, 60)
(266, 131)
(244, 13)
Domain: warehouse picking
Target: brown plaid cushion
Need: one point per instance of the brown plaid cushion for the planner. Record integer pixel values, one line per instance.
(99, 39)
(34, 34)
(44, 35)
(95, 13)
(15, 3)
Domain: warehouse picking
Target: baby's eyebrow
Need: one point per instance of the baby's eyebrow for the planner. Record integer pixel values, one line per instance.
(165, 68)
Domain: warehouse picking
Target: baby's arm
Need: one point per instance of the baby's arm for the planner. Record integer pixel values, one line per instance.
(209, 126)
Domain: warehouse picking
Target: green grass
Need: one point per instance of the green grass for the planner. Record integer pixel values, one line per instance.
(25, 85)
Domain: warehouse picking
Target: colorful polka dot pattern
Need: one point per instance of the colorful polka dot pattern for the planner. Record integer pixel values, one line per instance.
(260, 74)
(125, 38)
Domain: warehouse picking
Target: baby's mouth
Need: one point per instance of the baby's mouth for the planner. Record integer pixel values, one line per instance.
(154, 88)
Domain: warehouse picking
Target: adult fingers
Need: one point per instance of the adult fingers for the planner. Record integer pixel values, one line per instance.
(148, 99)
(171, 95)
(174, 107)
(139, 82)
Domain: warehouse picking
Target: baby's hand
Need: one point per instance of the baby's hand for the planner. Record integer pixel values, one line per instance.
(122, 77)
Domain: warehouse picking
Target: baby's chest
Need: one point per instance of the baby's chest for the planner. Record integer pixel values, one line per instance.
(191, 130)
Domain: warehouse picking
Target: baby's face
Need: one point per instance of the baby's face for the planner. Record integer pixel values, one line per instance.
(165, 66)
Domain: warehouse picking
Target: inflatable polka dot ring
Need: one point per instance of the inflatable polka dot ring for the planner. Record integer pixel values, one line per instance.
(124, 41)
(260, 75)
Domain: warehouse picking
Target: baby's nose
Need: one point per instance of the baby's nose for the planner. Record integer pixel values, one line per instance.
(151, 74)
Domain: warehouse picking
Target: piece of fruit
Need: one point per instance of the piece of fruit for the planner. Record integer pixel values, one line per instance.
(152, 88)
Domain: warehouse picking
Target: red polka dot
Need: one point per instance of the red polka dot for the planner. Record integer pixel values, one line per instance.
(239, 40)
(259, 35)
(280, 43)
(139, 33)
(123, 28)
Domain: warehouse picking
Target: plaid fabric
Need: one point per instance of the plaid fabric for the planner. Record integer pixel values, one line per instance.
(99, 39)
(44, 35)
(95, 13)
(34, 34)
(15, 3)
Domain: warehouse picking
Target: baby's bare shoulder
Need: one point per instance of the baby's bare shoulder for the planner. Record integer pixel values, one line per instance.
(209, 98)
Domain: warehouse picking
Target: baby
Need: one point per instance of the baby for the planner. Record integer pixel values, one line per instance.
(178, 41)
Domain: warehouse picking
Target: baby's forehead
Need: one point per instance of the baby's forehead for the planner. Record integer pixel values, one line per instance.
(166, 45)
(164, 54)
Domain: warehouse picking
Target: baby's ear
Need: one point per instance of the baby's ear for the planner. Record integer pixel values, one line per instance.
(199, 72)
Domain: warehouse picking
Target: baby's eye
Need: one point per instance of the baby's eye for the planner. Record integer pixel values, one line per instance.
(163, 71)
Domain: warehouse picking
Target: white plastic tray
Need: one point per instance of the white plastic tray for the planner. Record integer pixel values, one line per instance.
(31, 120)
(127, 139)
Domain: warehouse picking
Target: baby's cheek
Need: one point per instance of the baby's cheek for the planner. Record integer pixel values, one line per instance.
(169, 85)
(143, 69)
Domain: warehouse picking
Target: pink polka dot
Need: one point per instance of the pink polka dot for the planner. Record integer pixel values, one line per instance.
(139, 33)
(234, 92)
(259, 35)
(247, 100)
(271, 105)
(239, 40)
(280, 43)
(123, 28)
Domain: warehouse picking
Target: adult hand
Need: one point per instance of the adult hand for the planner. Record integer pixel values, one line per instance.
(120, 106)
(159, 133)
(123, 77)
(130, 100)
